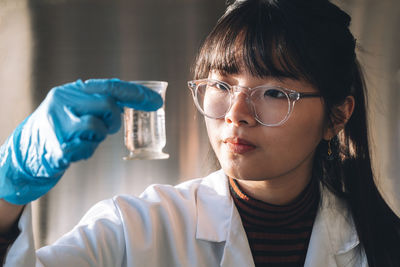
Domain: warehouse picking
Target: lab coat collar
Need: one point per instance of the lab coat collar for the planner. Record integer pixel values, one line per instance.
(334, 240)
(340, 224)
(219, 221)
(214, 208)
(333, 235)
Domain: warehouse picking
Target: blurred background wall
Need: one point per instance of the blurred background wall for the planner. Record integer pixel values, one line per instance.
(45, 43)
(376, 25)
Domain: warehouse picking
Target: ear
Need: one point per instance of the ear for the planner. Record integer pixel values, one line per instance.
(341, 115)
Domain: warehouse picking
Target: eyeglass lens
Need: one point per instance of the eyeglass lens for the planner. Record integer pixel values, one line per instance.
(270, 105)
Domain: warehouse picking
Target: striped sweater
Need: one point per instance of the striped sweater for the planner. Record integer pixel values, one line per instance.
(277, 235)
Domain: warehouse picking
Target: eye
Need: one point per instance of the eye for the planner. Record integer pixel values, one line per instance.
(274, 93)
(219, 86)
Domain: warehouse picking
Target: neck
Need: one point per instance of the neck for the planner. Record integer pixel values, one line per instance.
(280, 190)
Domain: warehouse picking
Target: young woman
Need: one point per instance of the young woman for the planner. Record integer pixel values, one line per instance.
(284, 103)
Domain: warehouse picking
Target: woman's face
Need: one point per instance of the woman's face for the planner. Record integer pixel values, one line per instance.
(248, 150)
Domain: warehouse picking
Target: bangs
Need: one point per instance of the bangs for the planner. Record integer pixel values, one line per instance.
(247, 40)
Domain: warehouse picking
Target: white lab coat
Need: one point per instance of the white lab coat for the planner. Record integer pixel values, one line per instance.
(192, 224)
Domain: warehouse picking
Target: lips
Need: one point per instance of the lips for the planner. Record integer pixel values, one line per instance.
(238, 145)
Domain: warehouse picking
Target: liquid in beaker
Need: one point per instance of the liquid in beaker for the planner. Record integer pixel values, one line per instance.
(145, 131)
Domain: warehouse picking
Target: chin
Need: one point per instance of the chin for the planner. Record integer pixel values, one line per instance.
(249, 171)
(238, 171)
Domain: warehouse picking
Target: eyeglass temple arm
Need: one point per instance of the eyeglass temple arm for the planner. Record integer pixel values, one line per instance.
(303, 95)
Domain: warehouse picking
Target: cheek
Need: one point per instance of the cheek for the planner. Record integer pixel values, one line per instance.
(215, 129)
(301, 134)
(212, 131)
(281, 149)
(291, 145)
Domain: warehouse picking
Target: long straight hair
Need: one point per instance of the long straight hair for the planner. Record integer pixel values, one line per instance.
(311, 40)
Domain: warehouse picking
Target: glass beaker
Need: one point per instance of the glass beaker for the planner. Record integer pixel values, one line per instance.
(145, 131)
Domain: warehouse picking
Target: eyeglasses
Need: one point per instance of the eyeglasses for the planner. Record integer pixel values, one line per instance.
(271, 105)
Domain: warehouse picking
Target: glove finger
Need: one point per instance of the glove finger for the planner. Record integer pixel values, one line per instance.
(90, 131)
(78, 149)
(73, 102)
(86, 133)
(126, 93)
(104, 108)
(86, 128)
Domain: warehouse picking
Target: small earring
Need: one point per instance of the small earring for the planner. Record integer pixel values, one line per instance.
(330, 154)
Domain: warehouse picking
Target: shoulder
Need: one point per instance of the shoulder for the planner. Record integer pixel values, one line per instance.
(213, 183)
(159, 200)
(158, 228)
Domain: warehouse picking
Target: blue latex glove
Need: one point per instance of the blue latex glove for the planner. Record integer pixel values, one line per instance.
(67, 126)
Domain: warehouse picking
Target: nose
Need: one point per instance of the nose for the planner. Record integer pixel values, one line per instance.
(241, 113)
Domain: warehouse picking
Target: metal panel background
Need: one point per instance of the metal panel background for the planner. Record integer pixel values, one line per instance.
(49, 42)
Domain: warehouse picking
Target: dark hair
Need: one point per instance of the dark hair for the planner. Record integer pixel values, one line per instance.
(311, 40)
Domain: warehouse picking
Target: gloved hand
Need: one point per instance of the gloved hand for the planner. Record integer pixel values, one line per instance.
(67, 126)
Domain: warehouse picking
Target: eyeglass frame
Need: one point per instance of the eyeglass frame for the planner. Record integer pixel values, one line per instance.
(292, 95)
